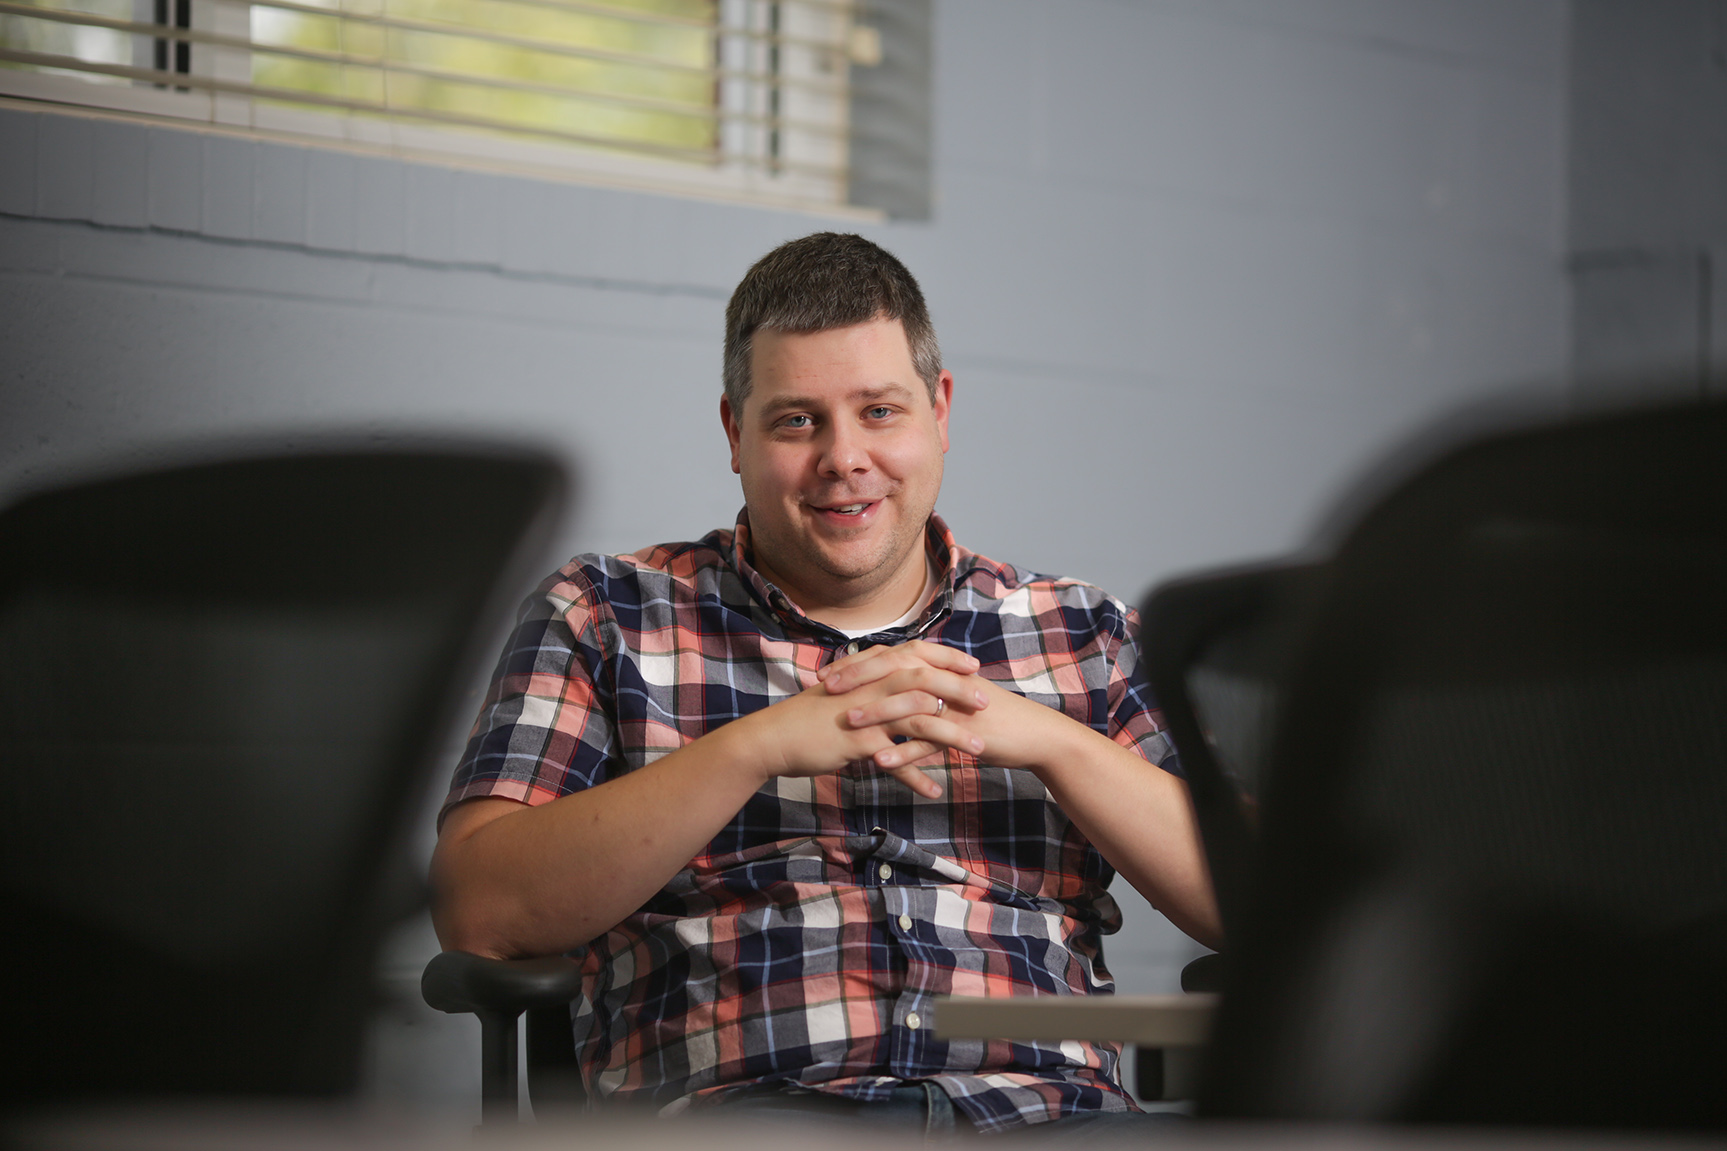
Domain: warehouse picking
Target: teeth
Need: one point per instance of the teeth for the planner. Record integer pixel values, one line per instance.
(850, 509)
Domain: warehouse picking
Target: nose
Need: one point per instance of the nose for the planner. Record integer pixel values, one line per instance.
(843, 453)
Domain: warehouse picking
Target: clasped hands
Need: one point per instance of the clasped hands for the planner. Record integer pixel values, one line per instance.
(930, 694)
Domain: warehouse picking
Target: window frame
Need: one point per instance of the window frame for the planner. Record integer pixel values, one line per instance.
(767, 81)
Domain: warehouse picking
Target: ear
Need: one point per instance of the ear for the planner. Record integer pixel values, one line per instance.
(729, 419)
(943, 403)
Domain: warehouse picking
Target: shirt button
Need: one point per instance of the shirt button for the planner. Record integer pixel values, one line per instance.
(884, 871)
(913, 1020)
(905, 923)
(852, 647)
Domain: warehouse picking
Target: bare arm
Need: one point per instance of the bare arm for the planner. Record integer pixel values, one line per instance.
(1136, 814)
(512, 880)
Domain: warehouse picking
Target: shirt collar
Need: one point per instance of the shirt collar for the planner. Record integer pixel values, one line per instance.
(938, 545)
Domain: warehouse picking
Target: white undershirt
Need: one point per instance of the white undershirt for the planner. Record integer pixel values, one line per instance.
(923, 598)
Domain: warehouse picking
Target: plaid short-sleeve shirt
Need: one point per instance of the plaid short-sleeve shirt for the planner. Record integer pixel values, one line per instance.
(807, 941)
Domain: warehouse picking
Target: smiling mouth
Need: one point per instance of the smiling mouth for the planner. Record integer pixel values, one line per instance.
(847, 510)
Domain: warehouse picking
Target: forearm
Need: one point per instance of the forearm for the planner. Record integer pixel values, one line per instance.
(1140, 818)
(511, 880)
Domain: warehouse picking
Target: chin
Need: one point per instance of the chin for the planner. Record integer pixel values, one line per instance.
(850, 568)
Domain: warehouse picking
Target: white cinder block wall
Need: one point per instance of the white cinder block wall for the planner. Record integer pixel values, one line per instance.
(1193, 263)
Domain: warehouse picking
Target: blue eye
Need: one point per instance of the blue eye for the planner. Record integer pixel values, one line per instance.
(880, 412)
(792, 422)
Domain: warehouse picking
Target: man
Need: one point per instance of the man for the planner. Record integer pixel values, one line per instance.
(790, 783)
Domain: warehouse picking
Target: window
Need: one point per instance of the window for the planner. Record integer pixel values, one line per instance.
(735, 97)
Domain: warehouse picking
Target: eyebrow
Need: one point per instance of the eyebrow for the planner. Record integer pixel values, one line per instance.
(861, 395)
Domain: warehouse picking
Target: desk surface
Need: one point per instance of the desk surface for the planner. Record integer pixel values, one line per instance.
(307, 1129)
(1149, 1020)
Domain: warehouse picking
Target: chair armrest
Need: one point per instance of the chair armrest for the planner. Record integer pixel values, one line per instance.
(460, 981)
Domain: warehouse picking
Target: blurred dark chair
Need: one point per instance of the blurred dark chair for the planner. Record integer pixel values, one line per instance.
(1215, 649)
(220, 688)
(1490, 882)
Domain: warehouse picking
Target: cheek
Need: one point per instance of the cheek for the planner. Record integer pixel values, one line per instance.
(770, 472)
(913, 460)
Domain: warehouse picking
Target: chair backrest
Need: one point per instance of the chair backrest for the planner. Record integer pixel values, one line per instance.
(220, 688)
(1214, 648)
(1491, 884)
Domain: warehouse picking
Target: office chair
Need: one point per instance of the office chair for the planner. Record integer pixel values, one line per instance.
(220, 688)
(1214, 648)
(544, 990)
(1490, 883)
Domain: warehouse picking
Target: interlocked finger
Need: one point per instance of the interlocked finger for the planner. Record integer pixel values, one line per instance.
(874, 663)
(916, 780)
(931, 727)
(900, 755)
(926, 695)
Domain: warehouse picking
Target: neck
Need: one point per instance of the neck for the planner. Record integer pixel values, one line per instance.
(872, 608)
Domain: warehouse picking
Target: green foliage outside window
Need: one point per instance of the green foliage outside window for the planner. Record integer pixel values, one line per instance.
(51, 38)
(643, 75)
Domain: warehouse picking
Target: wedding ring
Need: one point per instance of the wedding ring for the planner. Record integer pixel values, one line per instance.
(940, 706)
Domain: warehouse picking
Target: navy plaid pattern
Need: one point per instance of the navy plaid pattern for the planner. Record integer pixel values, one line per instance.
(806, 942)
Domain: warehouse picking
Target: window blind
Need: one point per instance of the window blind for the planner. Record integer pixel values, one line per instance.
(753, 88)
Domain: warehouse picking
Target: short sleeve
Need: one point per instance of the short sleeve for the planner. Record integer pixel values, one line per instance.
(545, 728)
(1134, 719)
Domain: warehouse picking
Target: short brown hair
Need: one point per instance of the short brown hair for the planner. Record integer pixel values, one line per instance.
(820, 282)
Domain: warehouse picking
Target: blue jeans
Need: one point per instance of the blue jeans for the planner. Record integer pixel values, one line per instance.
(919, 1108)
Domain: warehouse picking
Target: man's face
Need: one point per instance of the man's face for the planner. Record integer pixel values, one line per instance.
(840, 451)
